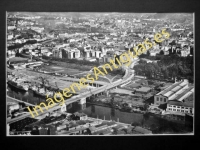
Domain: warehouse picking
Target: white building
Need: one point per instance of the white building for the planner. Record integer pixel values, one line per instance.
(47, 54)
(77, 53)
(98, 54)
(93, 53)
(185, 52)
(10, 36)
(175, 106)
(37, 29)
(11, 106)
(70, 55)
(11, 27)
(57, 53)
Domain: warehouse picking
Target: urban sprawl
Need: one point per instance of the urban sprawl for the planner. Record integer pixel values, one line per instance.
(82, 81)
(138, 66)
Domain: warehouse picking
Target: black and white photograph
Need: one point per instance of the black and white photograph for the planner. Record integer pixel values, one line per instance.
(99, 73)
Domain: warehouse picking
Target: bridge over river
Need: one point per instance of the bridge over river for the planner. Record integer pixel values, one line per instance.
(81, 97)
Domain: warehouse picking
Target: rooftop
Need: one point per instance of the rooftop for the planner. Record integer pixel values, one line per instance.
(178, 103)
(17, 59)
(178, 91)
(79, 114)
(172, 87)
(134, 85)
(143, 89)
(186, 91)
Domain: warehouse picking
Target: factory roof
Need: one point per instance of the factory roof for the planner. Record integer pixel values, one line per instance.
(179, 103)
(178, 91)
(187, 92)
(174, 87)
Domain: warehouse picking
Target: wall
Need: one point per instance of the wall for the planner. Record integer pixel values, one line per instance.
(158, 99)
(181, 109)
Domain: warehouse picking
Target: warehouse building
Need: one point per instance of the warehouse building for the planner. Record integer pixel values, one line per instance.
(176, 97)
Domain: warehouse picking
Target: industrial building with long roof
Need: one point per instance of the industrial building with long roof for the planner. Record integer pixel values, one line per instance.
(175, 96)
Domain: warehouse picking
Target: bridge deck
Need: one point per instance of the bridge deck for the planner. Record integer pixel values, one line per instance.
(76, 98)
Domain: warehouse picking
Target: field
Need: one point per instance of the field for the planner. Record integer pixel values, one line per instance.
(71, 65)
(60, 69)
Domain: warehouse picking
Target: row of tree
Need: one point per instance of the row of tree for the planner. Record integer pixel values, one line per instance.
(168, 67)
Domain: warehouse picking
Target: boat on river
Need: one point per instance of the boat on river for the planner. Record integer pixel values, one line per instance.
(18, 85)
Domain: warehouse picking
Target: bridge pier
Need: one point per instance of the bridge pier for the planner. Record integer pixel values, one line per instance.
(107, 93)
(69, 105)
(83, 106)
(82, 101)
(63, 108)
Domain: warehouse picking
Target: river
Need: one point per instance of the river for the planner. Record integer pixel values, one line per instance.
(150, 121)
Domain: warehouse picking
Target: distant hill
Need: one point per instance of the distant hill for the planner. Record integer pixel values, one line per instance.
(177, 17)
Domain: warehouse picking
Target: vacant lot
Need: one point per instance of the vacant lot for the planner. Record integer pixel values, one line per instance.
(73, 66)
(60, 69)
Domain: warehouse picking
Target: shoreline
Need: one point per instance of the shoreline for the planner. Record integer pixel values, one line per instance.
(104, 105)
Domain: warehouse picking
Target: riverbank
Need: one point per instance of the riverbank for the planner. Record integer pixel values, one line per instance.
(101, 111)
(170, 117)
(117, 108)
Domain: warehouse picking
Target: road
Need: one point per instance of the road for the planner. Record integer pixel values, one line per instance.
(126, 78)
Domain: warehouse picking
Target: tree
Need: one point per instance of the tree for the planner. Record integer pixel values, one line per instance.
(153, 127)
(145, 107)
(135, 124)
(169, 66)
(148, 53)
(161, 52)
(113, 112)
(114, 131)
(146, 116)
(142, 55)
(166, 73)
(72, 45)
(125, 130)
(22, 104)
(112, 101)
